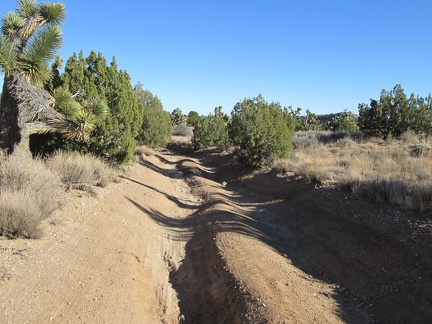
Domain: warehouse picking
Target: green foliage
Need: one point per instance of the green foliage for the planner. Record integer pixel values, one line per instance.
(177, 117)
(55, 80)
(7, 56)
(30, 38)
(292, 118)
(101, 90)
(156, 126)
(344, 121)
(310, 122)
(261, 131)
(211, 130)
(193, 118)
(394, 114)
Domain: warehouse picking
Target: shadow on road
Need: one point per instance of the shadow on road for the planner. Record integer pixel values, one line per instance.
(375, 275)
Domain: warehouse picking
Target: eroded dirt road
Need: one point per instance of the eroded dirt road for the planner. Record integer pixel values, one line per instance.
(198, 239)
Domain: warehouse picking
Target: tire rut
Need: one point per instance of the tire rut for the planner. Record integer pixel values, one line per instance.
(207, 291)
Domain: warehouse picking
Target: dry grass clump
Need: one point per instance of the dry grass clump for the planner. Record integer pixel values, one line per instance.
(20, 215)
(302, 140)
(32, 189)
(395, 171)
(29, 194)
(182, 130)
(81, 171)
(305, 139)
(144, 150)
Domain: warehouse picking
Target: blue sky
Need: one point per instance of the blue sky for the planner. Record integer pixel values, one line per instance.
(325, 56)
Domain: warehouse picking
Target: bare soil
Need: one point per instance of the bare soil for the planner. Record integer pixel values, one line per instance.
(190, 237)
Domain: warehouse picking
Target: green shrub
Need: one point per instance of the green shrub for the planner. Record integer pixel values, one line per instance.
(113, 138)
(395, 113)
(193, 118)
(156, 126)
(211, 131)
(345, 121)
(260, 131)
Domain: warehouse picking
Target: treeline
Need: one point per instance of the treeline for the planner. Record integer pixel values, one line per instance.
(262, 131)
(394, 114)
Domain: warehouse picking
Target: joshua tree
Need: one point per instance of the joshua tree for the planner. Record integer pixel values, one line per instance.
(28, 41)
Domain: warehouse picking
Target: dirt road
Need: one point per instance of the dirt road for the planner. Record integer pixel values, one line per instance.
(195, 238)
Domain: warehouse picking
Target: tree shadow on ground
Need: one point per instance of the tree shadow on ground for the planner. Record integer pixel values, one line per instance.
(373, 269)
(174, 199)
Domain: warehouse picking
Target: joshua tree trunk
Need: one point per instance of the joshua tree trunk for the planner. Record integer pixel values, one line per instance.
(26, 110)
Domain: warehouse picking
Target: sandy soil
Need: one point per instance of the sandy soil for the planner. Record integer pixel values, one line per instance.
(195, 238)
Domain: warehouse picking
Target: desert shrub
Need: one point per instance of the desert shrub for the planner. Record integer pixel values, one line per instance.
(305, 139)
(409, 137)
(345, 142)
(315, 171)
(156, 126)
(327, 137)
(193, 118)
(314, 138)
(419, 150)
(182, 130)
(80, 171)
(20, 215)
(397, 192)
(29, 193)
(395, 113)
(345, 121)
(20, 172)
(210, 131)
(260, 131)
(380, 171)
(113, 138)
(398, 155)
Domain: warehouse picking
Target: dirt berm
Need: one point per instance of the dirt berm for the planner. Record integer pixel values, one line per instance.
(194, 237)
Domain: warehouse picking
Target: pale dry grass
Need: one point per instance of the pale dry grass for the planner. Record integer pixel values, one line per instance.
(396, 171)
(81, 171)
(32, 189)
(144, 150)
(182, 130)
(30, 192)
(181, 139)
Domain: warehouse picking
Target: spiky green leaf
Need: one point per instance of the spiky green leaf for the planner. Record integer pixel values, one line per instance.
(12, 21)
(45, 43)
(27, 8)
(7, 56)
(53, 13)
(99, 109)
(35, 68)
(64, 103)
(41, 48)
